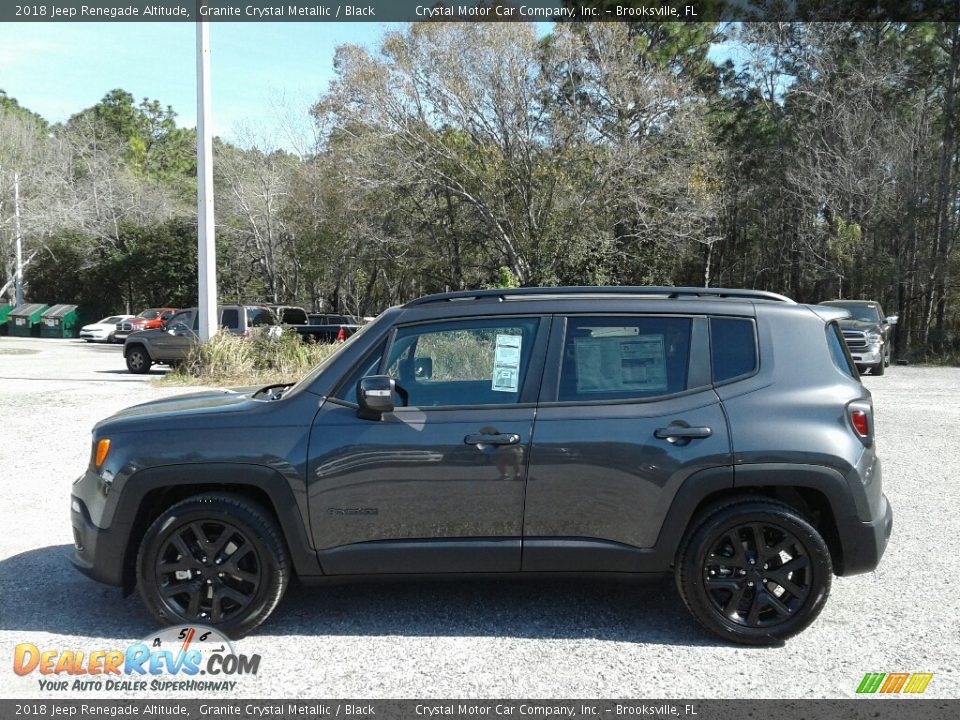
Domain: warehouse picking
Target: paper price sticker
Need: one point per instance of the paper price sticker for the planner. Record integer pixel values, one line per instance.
(506, 363)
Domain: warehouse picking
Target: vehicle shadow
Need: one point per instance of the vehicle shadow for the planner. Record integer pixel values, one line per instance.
(45, 594)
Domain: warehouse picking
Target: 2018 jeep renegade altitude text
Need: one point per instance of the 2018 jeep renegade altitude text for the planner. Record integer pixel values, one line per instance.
(722, 435)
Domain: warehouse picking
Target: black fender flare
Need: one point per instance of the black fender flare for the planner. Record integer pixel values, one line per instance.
(209, 477)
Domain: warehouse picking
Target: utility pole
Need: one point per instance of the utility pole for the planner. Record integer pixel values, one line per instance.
(206, 239)
(18, 276)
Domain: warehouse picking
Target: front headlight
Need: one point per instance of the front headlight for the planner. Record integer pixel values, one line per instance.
(874, 338)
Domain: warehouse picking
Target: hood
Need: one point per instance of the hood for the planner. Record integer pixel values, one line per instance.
(180, 410)
(851, 324)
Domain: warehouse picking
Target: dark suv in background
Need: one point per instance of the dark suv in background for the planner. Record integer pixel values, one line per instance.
(867, 332)
(720, 435)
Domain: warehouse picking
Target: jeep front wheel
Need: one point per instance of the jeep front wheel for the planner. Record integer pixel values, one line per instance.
(216, 560)
(754, 571)
(138, 360)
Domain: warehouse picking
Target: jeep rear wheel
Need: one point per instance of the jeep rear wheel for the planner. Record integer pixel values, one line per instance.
(754, 571)
(217, 560)
(138, 360)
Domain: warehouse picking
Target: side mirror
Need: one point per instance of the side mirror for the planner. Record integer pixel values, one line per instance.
(892, 319)
(375, 396)
(423, 368)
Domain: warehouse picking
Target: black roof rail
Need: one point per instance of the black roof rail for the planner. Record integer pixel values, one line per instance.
(504, 294)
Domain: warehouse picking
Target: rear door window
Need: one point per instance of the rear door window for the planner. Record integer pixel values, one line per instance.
(733, 348)
(624, 357)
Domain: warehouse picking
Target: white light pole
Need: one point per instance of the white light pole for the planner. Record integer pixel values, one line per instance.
(18, 276)
(206, 241)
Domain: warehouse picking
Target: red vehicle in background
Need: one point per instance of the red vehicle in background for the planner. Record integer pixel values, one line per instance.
(147, 320)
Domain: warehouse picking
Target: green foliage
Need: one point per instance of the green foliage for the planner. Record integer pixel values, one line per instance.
(504, 279)
(10, 105)
(154, 265)
(818, 160)
(231, 360)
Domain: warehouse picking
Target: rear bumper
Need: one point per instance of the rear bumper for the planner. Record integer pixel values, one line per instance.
(865, 542)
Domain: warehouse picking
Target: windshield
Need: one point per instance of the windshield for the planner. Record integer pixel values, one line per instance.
(149, 314)
(863, 313)
(111, 319)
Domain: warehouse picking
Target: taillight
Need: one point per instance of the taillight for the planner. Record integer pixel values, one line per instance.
(342, 335)
(858, 418)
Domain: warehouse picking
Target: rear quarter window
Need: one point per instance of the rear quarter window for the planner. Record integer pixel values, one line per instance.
(839, 352)
(733, 348)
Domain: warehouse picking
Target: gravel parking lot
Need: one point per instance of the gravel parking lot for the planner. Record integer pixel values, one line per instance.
(492, 639)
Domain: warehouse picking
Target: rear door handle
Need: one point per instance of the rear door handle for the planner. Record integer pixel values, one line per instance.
(680, 432)
(498, 439)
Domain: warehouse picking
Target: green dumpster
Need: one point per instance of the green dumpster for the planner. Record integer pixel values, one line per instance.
(4, 311)
(24, 320)
(60, 321)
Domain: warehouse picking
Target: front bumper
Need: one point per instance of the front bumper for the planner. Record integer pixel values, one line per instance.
(94, 335)
(97, 552)
(871, 355)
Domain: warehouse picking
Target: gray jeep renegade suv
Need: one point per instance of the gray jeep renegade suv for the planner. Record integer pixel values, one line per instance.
(721, 435)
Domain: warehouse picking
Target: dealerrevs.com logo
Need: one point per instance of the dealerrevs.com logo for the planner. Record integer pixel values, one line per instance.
(191, 658)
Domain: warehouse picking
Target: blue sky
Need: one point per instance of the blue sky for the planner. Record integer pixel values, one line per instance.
(260, 71)
(57, 69)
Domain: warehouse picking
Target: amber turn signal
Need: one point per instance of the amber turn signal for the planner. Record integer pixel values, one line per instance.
(103, 448)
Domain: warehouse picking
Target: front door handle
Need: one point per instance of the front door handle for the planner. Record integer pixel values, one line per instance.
(681, 432)
(492, 439)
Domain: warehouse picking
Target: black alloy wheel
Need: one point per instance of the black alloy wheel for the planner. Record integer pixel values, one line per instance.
(208, 571)
(213, 559)
(754, 570)
(757, 575)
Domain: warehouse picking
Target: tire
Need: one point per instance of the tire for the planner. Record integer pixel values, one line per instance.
(233, 591)
(737, 599)
(138, 360)
(879, 369)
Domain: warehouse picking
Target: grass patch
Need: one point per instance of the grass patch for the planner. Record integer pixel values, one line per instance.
(259, 360)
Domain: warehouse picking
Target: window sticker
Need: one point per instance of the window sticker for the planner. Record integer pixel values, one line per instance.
(506, 363)
(620, 364)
